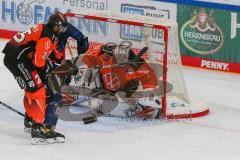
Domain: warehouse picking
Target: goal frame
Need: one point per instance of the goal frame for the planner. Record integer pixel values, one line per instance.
(165, 29)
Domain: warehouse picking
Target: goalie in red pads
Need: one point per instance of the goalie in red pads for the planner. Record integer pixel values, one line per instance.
(120, 70)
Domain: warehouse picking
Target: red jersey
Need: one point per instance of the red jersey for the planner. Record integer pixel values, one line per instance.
(116, 77)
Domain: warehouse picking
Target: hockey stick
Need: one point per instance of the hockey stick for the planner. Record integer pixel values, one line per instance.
(133, 61)
(12, 109)
(16, 111)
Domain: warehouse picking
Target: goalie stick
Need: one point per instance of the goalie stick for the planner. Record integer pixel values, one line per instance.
(139, 55)
(12, 109)
(134, 61)
(109, 103)
(94, 68)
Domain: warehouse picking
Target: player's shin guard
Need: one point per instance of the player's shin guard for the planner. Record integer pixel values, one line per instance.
(35, 104)
(51, 116)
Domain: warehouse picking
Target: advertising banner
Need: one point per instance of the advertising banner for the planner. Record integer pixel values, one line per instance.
(18, 15)
(147, 8)
(209, 34)
(217, 4)
(229, 2)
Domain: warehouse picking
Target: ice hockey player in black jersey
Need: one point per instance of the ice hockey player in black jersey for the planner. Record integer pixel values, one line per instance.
(27, 58)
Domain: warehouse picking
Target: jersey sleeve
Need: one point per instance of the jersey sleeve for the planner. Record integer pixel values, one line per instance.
(149, 78)
(33, 34)
(89, 60)
(36, 32)
(74, 32)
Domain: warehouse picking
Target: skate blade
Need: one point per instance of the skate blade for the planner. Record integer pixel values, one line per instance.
(42, 141)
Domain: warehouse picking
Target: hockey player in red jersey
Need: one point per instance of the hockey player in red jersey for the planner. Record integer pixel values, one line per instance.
(119, 76)
(26, 57)
(121, 71)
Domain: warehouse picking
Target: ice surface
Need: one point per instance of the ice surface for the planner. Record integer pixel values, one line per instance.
(216, 136)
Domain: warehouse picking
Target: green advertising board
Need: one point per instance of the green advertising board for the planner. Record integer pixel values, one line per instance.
(209, 33)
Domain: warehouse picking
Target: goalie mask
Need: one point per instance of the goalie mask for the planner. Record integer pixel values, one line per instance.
(121, 51)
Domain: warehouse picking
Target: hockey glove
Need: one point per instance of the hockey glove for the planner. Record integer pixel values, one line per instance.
(68, 78)
(56, 57)
(45, 71)
(83, 45)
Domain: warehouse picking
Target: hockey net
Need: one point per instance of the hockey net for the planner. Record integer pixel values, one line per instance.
(163, 55)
